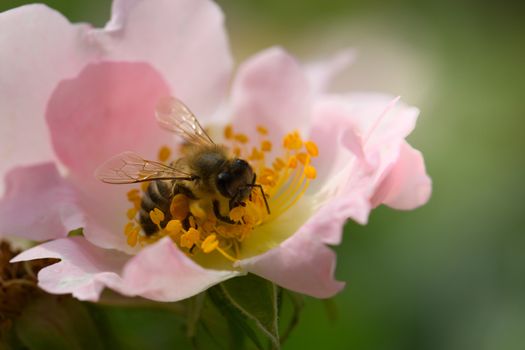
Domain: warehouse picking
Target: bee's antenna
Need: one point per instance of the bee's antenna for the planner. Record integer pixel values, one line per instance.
(259, 186)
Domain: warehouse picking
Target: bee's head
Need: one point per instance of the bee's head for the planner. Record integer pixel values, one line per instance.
(234, 179)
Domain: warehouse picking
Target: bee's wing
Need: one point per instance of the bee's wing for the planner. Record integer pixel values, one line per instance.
(175, 116)
(129, 167)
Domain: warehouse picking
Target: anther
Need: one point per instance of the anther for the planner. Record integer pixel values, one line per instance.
(133, 237)
(311, 148)
(228, 132)
(133, 195)
(310, 172)
(190, 238)
(237, 213)
(174, 226)
(164, 154)
(262, 130)
(131, 213)
(241, 138)
(292, 162)
(210, 244)
(156, 216)
(266, 146)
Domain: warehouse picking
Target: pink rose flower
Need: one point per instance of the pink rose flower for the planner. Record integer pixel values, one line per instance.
(73, 96)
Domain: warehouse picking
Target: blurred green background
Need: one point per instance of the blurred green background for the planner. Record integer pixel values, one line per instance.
(450, 275)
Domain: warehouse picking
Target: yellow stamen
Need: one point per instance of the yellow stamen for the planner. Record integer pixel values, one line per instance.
(131, 213)
(156, 216)
(133, 195)
(190, 238)
(237, 213)
(310, 172)
(303, 158)
(311, 148)
(242, 138)
(266, 146)
(262, 130)
(292, 162)
(164, 154)
(133, 237)
(228, 132)
(209, 244)
(128, 228)
(174, 226)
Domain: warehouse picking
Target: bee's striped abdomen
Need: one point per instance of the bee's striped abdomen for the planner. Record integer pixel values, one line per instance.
(158, 195)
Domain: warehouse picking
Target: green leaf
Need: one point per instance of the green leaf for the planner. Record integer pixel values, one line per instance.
(238, 321)
(254, 302)
(51, 322)
(194, 308)
(297, 302)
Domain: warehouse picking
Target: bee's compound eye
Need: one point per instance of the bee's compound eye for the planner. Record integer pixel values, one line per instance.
(224, 180)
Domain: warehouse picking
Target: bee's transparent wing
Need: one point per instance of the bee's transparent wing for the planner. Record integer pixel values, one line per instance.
(129, 167)
(172, 114)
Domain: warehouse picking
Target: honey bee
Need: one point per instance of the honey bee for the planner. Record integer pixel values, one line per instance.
(206, 172)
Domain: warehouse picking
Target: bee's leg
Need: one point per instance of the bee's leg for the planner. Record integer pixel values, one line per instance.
(218, 215)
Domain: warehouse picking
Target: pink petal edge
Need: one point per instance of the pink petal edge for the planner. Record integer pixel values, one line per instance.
(84, 269)
(39, 204)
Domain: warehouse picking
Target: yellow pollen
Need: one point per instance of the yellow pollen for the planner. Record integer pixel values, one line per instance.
(164, 154)
(133, 195)
(128, 228)
(156, 216)
(210, 244)
(303, 158)
(179, 207)
(133, 237)
(311, 148)
(292, 162)
(310, 172)
(237, 151)
(266, 146)
(293, 141)
(174, 226)
(131, 213)
(144, 186)
(254, 155)
(278, 164)
(228, 132)
(262, 130)
(241, 138)
(190, 238)
(237, 213)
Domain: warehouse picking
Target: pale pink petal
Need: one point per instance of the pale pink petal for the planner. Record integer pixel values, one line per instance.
(407, 185)
(84, 269)
(38, 204)
(359, 130)
(321, 73)
(184, 40)
(302, 264)
(106, 110)
(271, 90)
(162, 272)
(39, 48)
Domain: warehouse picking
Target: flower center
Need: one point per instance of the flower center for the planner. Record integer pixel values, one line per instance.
(197, 226)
